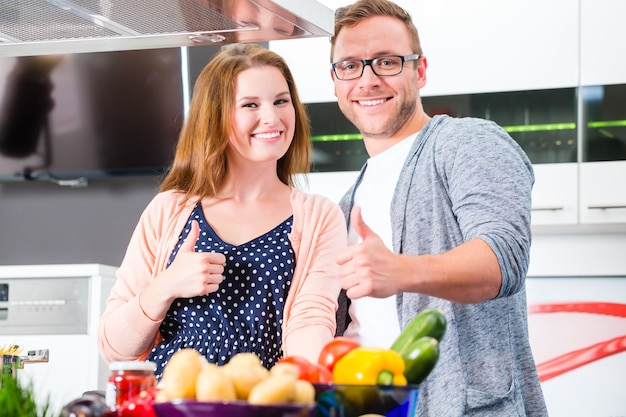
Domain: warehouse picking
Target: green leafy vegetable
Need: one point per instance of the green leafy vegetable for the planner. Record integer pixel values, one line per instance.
(18, 400)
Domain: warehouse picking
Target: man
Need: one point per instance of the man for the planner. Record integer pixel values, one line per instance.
(439, 217)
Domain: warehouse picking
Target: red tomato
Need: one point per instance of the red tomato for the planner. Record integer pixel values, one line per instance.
(335, 350)
(325, 376)
(308, 370)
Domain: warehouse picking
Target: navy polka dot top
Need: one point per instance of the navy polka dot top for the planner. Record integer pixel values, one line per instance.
(246, 312)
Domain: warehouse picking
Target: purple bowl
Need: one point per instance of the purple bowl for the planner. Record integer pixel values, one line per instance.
(190, 408)
(356, 400)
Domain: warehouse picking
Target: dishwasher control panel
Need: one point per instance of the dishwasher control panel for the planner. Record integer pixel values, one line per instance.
(55, 305)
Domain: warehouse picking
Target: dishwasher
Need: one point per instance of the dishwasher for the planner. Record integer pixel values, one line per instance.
(51, 312)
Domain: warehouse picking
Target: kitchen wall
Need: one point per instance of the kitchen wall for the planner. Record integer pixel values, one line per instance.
(43, 223)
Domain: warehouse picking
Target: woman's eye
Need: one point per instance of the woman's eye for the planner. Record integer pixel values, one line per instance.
(250, 105)
(282, 101)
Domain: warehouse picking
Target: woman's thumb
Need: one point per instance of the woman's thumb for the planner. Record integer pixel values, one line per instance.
(190, 241)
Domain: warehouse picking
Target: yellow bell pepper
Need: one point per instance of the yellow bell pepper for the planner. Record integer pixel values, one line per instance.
(370, 366)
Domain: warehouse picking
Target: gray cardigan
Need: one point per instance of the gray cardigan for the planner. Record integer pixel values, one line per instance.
(466, 178)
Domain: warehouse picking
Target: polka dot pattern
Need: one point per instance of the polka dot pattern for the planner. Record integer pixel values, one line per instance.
(246, 313)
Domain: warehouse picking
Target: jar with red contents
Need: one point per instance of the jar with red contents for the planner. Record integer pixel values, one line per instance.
(127, 380)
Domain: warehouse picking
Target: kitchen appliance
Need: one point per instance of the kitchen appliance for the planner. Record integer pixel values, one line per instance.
(35, 27)
(56, 308)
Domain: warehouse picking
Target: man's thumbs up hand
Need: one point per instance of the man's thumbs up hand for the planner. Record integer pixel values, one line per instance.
(368, 268)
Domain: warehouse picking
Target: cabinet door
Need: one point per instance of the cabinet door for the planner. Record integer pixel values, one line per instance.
(555, 194)
(602, 35)
(603, 192)
(488, 45)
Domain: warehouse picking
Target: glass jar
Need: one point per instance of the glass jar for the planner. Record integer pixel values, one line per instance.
(128, 379)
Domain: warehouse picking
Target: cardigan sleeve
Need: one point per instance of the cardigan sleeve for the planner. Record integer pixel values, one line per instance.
(319, 233)
(125, 332)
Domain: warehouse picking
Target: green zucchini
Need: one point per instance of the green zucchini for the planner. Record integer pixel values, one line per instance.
(420, 358)
(429, 322)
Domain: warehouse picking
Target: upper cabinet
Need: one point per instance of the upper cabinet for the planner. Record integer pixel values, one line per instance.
(490, 46)
(602, 36)
(550, 73)
(603, 101)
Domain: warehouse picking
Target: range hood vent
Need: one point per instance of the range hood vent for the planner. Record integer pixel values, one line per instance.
(43, 27)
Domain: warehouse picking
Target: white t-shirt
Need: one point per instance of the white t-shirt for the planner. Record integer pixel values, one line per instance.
(375, 320)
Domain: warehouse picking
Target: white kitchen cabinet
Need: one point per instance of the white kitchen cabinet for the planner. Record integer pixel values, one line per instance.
(602, 63)
(555, 194)
(491, 45)
(603, 192)
(602, 35)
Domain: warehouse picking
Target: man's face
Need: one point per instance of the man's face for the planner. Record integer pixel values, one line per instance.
(379, 106)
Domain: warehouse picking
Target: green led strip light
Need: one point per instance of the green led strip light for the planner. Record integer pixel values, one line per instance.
(611, 123)
(336, 137)
(510, 129)
(542, 128)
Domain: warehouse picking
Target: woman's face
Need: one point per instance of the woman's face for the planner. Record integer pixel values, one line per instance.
(264, 117)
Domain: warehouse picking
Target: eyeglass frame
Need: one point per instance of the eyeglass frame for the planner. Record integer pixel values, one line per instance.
(366, 62)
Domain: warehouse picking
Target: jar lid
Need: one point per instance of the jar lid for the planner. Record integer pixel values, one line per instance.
(132, 366)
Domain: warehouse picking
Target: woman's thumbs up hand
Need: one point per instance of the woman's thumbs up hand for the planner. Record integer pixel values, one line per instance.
(195, 273)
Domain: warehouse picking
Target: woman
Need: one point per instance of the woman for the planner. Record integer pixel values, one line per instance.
(230, 257)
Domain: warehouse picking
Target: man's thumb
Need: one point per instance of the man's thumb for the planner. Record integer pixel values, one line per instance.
(359, 226)
(190, 241)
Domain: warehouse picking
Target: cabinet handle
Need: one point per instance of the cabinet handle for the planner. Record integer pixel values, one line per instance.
(607, 206)
(547, 208)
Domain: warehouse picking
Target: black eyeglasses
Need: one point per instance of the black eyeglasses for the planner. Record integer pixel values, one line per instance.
(351, 69)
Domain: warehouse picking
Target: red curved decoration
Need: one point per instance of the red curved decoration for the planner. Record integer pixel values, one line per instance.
(580, 357)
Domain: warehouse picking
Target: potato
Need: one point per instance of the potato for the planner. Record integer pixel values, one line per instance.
(180, 375)
(214, 385)
(275, 389)
(285, 368)
(245, 359)
(304, 392)
(244, 377)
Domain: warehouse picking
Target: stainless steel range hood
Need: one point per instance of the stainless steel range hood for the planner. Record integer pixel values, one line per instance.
(47, 27)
